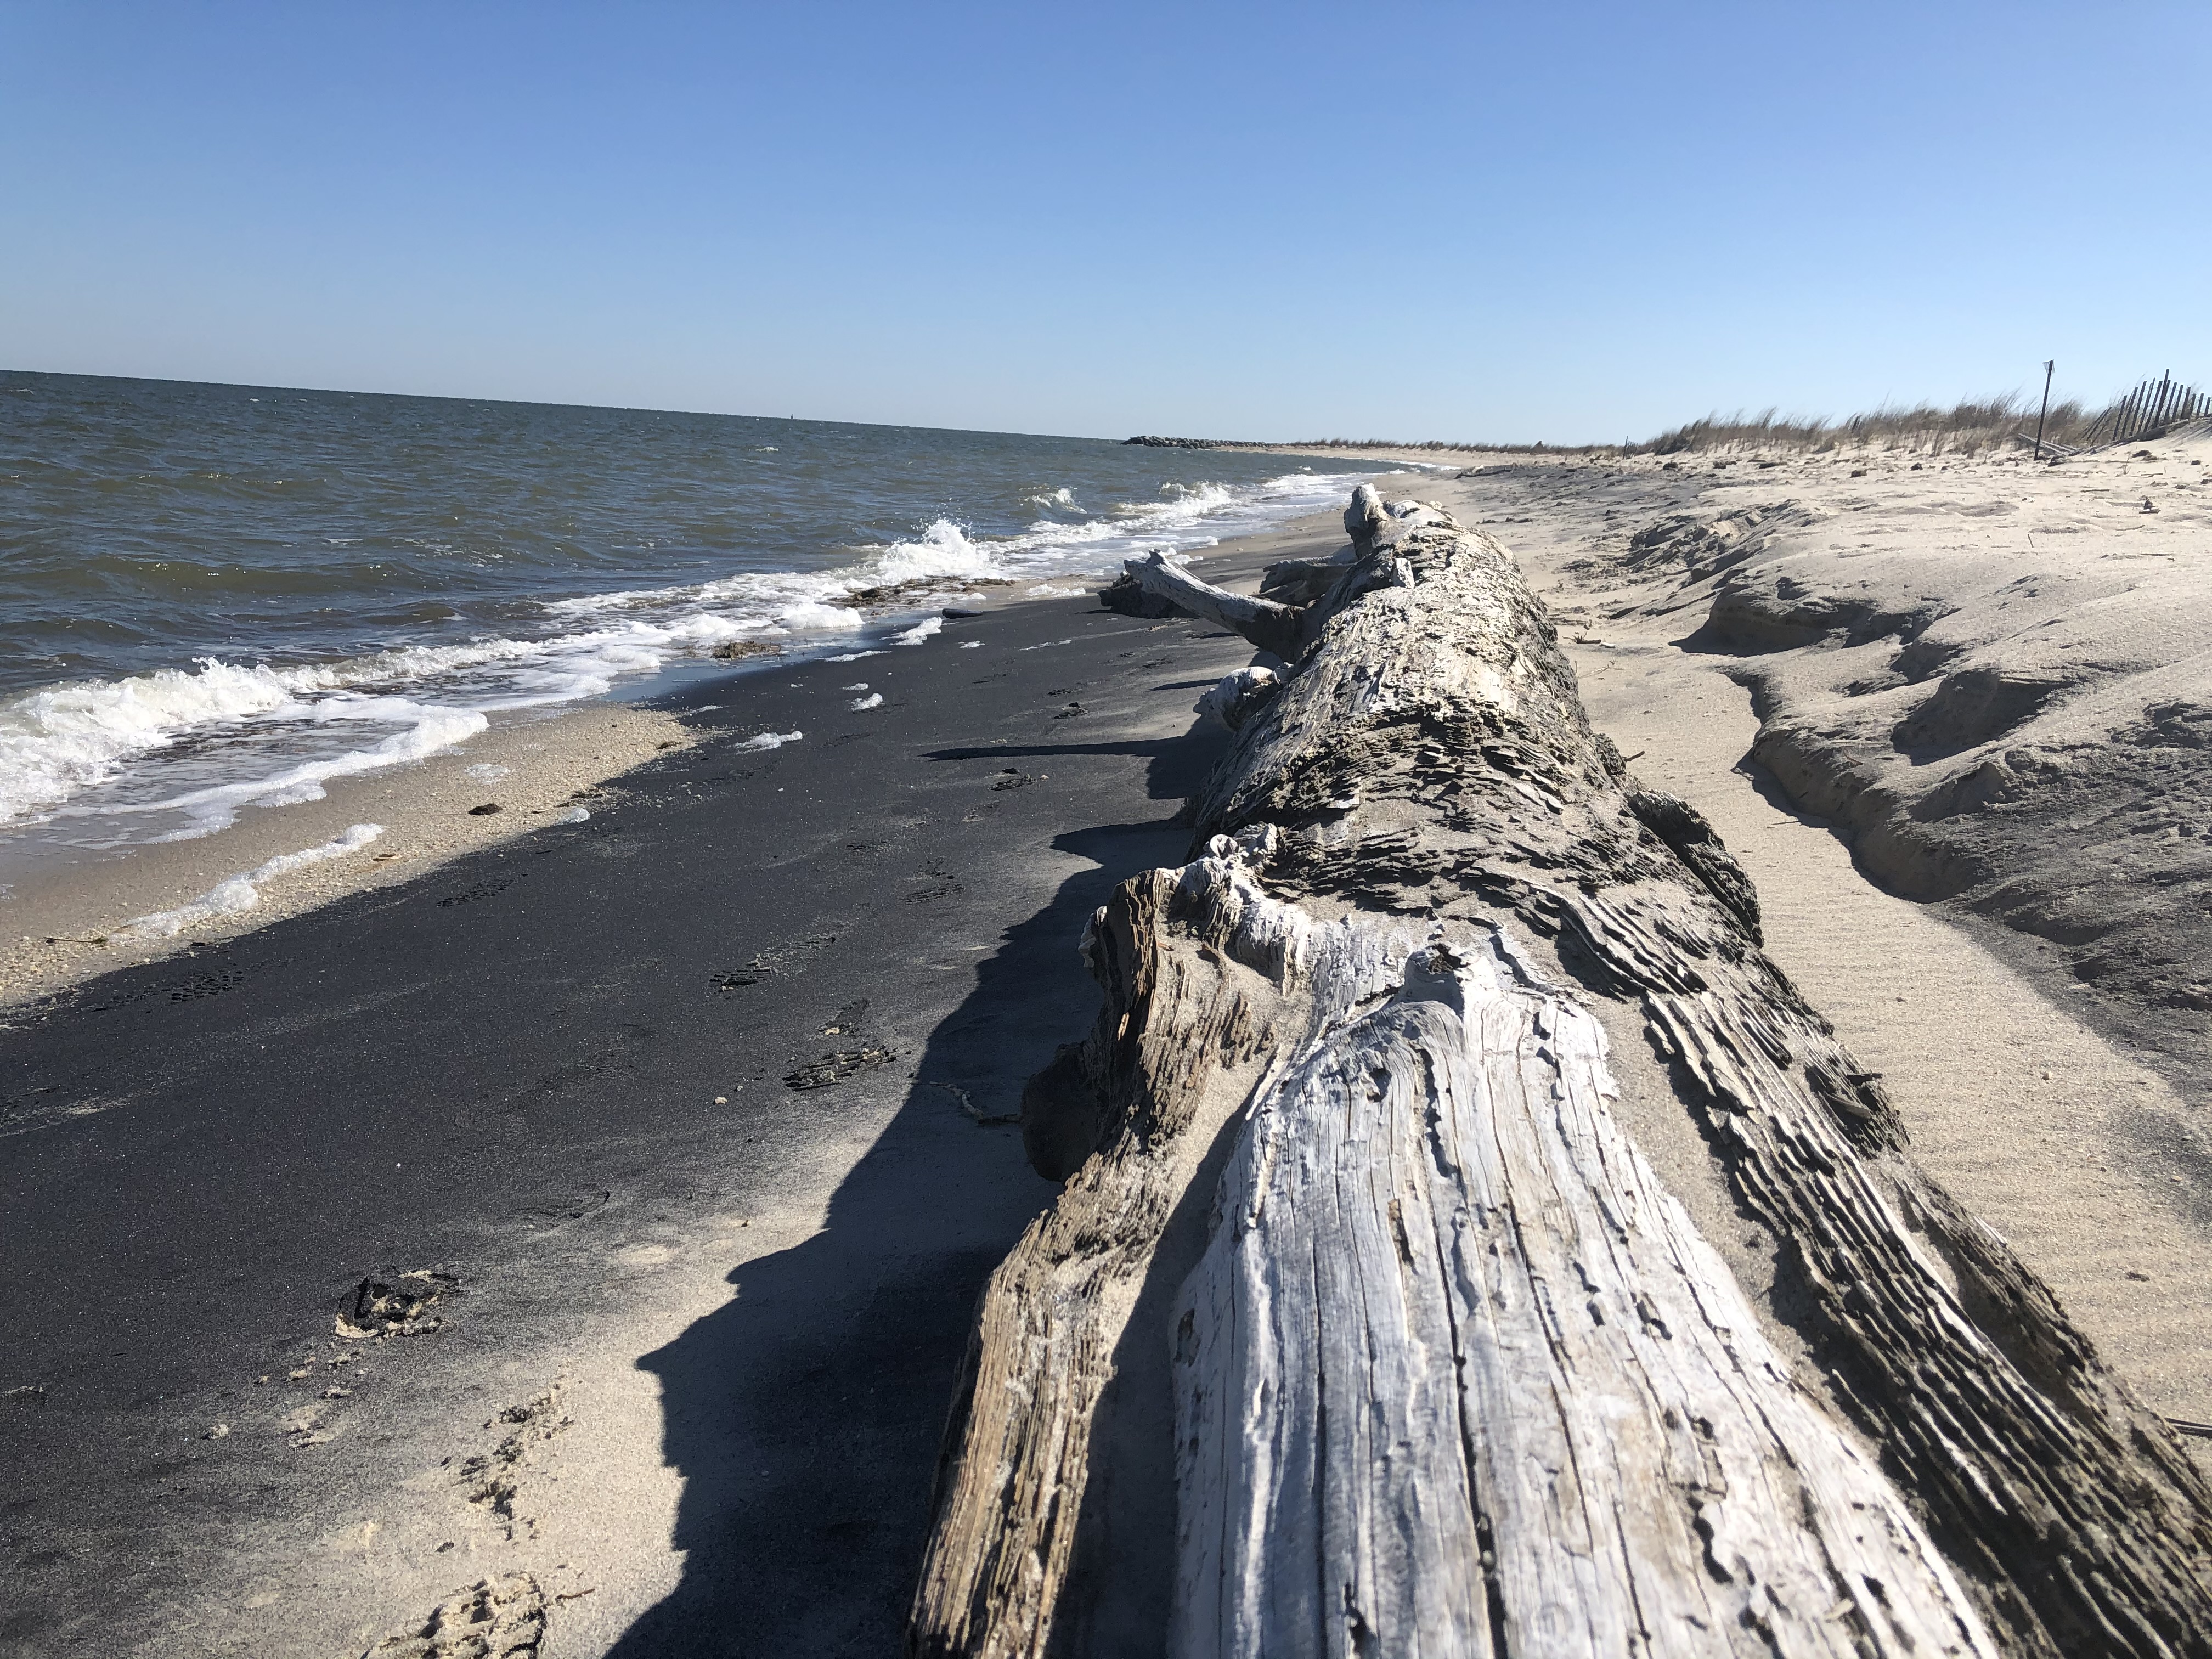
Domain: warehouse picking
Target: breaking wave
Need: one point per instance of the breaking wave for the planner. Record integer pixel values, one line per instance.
(179, 751)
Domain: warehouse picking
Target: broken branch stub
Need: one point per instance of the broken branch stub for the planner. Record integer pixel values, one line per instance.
(1238, 696)
(1301, 582)
(1367, 1321)
(1270, 626)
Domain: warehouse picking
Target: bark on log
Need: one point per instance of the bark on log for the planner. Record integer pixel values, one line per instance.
(1364, 1324)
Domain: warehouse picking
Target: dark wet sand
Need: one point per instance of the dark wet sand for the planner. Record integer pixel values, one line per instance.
(507, 1070)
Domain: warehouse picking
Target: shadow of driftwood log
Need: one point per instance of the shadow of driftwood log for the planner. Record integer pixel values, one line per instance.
(805, 1414)
(1160, 749)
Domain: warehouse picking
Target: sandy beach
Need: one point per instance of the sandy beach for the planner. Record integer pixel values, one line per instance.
(693, 1120)
(749, 905)
(696, 1323)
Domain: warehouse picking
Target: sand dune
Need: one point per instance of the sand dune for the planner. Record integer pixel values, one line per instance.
(1997, 677)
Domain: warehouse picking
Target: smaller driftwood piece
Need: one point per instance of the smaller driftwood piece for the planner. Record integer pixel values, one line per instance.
(1366, 1324)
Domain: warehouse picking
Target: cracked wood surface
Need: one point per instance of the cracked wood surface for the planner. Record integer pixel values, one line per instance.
(1456, 1376)
(1363, 1326)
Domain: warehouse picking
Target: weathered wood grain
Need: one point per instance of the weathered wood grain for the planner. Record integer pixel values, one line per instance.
(1364, 1325)
(1458, 1377)
(1023, 1507)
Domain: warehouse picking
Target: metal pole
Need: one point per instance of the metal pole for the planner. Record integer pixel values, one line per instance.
(2050, 364)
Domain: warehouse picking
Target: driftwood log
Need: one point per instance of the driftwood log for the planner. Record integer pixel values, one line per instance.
(1366, 1323)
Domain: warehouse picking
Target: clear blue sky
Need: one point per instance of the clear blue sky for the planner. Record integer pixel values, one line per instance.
(1565, 222)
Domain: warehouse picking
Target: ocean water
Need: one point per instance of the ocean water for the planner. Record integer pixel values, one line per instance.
(216, 598)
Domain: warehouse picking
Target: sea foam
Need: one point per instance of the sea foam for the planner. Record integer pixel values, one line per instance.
(241, 893)
(57, 741)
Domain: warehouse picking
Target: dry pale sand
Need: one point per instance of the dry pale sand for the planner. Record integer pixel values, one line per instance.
(1998, 678)
(2031, 1117)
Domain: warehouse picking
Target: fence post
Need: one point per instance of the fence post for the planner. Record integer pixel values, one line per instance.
(2046, 414)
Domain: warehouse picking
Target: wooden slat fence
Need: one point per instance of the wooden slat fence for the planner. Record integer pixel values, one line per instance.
(2147, 411)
